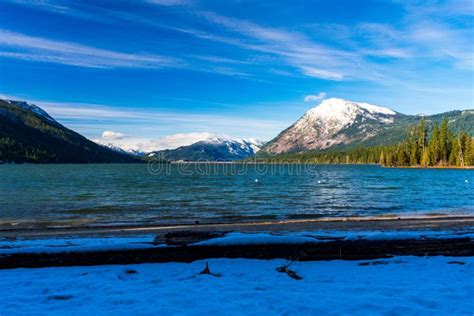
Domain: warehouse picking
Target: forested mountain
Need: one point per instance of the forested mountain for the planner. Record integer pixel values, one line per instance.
(338, 124)
(440, 147)
(336, 131)
(29, 134)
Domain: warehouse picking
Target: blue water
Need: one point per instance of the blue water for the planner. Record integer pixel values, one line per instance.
(136, 194)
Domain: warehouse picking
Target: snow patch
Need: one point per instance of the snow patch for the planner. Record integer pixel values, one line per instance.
(326, 236)
(401, 286)
(56, 245)
(32, 108)
(338, 113)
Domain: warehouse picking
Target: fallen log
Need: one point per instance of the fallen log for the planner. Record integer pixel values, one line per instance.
(330, 250)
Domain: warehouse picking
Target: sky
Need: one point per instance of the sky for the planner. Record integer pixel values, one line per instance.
(163, 73)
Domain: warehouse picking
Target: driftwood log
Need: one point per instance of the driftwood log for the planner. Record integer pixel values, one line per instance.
(184, 252)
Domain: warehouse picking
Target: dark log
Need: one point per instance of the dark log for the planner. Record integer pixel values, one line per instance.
(331, 250)
(184, 238)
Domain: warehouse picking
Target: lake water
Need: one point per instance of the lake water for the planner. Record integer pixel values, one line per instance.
(136, 194)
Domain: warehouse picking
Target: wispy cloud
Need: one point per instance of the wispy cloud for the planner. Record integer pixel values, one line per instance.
(428, 31)
(94, 118)
(440, 41)
(311, 58)
(431, 30)
(321, 73)
(287, 48)
(168, 2)
(21, 46)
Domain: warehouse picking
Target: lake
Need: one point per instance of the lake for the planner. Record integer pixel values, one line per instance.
(157, 194)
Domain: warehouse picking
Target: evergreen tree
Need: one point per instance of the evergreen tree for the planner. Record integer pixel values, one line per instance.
(417, 149)
(389, 159)
(425, 159)
(443, 143)
(470, 152)
(422, 135)
(401, 156)
(455, 157)
(382, 159)
(434, 146)
(414, 154)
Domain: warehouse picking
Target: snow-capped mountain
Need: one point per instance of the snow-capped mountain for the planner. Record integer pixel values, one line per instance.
(333, 122)
(119, 149)
(32, 108)
(212, 149)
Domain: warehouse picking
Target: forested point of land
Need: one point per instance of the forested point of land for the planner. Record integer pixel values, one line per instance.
(441, 148)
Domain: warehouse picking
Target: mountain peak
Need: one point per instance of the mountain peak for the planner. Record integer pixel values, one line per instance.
(335, 108)
(337, 113)
(334, 121)
(30, 107)
(218, 148)
(27, 139)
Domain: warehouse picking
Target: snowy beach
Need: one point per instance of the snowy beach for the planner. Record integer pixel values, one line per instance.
(89, 272)
(396, 286)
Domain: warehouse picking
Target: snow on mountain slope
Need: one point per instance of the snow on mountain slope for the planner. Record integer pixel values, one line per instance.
(32, 108)
(213, 149)
(246, 144)
(334, 121)
(118, 148)
(38, 138)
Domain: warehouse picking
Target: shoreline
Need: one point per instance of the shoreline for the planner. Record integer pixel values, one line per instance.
(294, 240)
(188, 246)
(382, 223)
(237, 162)
(431, 167)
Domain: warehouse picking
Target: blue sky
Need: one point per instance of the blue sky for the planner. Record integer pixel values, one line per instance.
(146, 69)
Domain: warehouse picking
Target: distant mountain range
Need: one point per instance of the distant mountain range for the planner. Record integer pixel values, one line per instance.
(119, 149)
(29, 134)
(213, 149)
(342, 124)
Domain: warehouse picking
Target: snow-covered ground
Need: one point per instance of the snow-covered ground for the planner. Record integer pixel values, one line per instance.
(237, 238)
(76, 244)
(398, 286)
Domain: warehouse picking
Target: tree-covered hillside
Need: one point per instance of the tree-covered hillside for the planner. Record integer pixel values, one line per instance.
(28, 134)
(438, 146)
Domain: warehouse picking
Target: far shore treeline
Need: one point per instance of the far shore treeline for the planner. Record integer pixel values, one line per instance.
(440, 148)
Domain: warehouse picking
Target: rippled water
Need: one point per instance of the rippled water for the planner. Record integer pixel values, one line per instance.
(135, 194)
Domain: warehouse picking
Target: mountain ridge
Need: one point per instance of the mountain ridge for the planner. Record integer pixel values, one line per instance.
(28, 134)
(338, 124)
(212, 149)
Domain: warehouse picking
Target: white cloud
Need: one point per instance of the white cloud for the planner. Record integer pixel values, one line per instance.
(25, 47)
(296, 49)
(321, 73)
(178, 140)
(93, 112)
(149, 145)
(425, 33)
(91, 120)
(312, 97)
(110, 135)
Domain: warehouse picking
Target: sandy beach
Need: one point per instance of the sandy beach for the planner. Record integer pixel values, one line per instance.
(380, 223)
